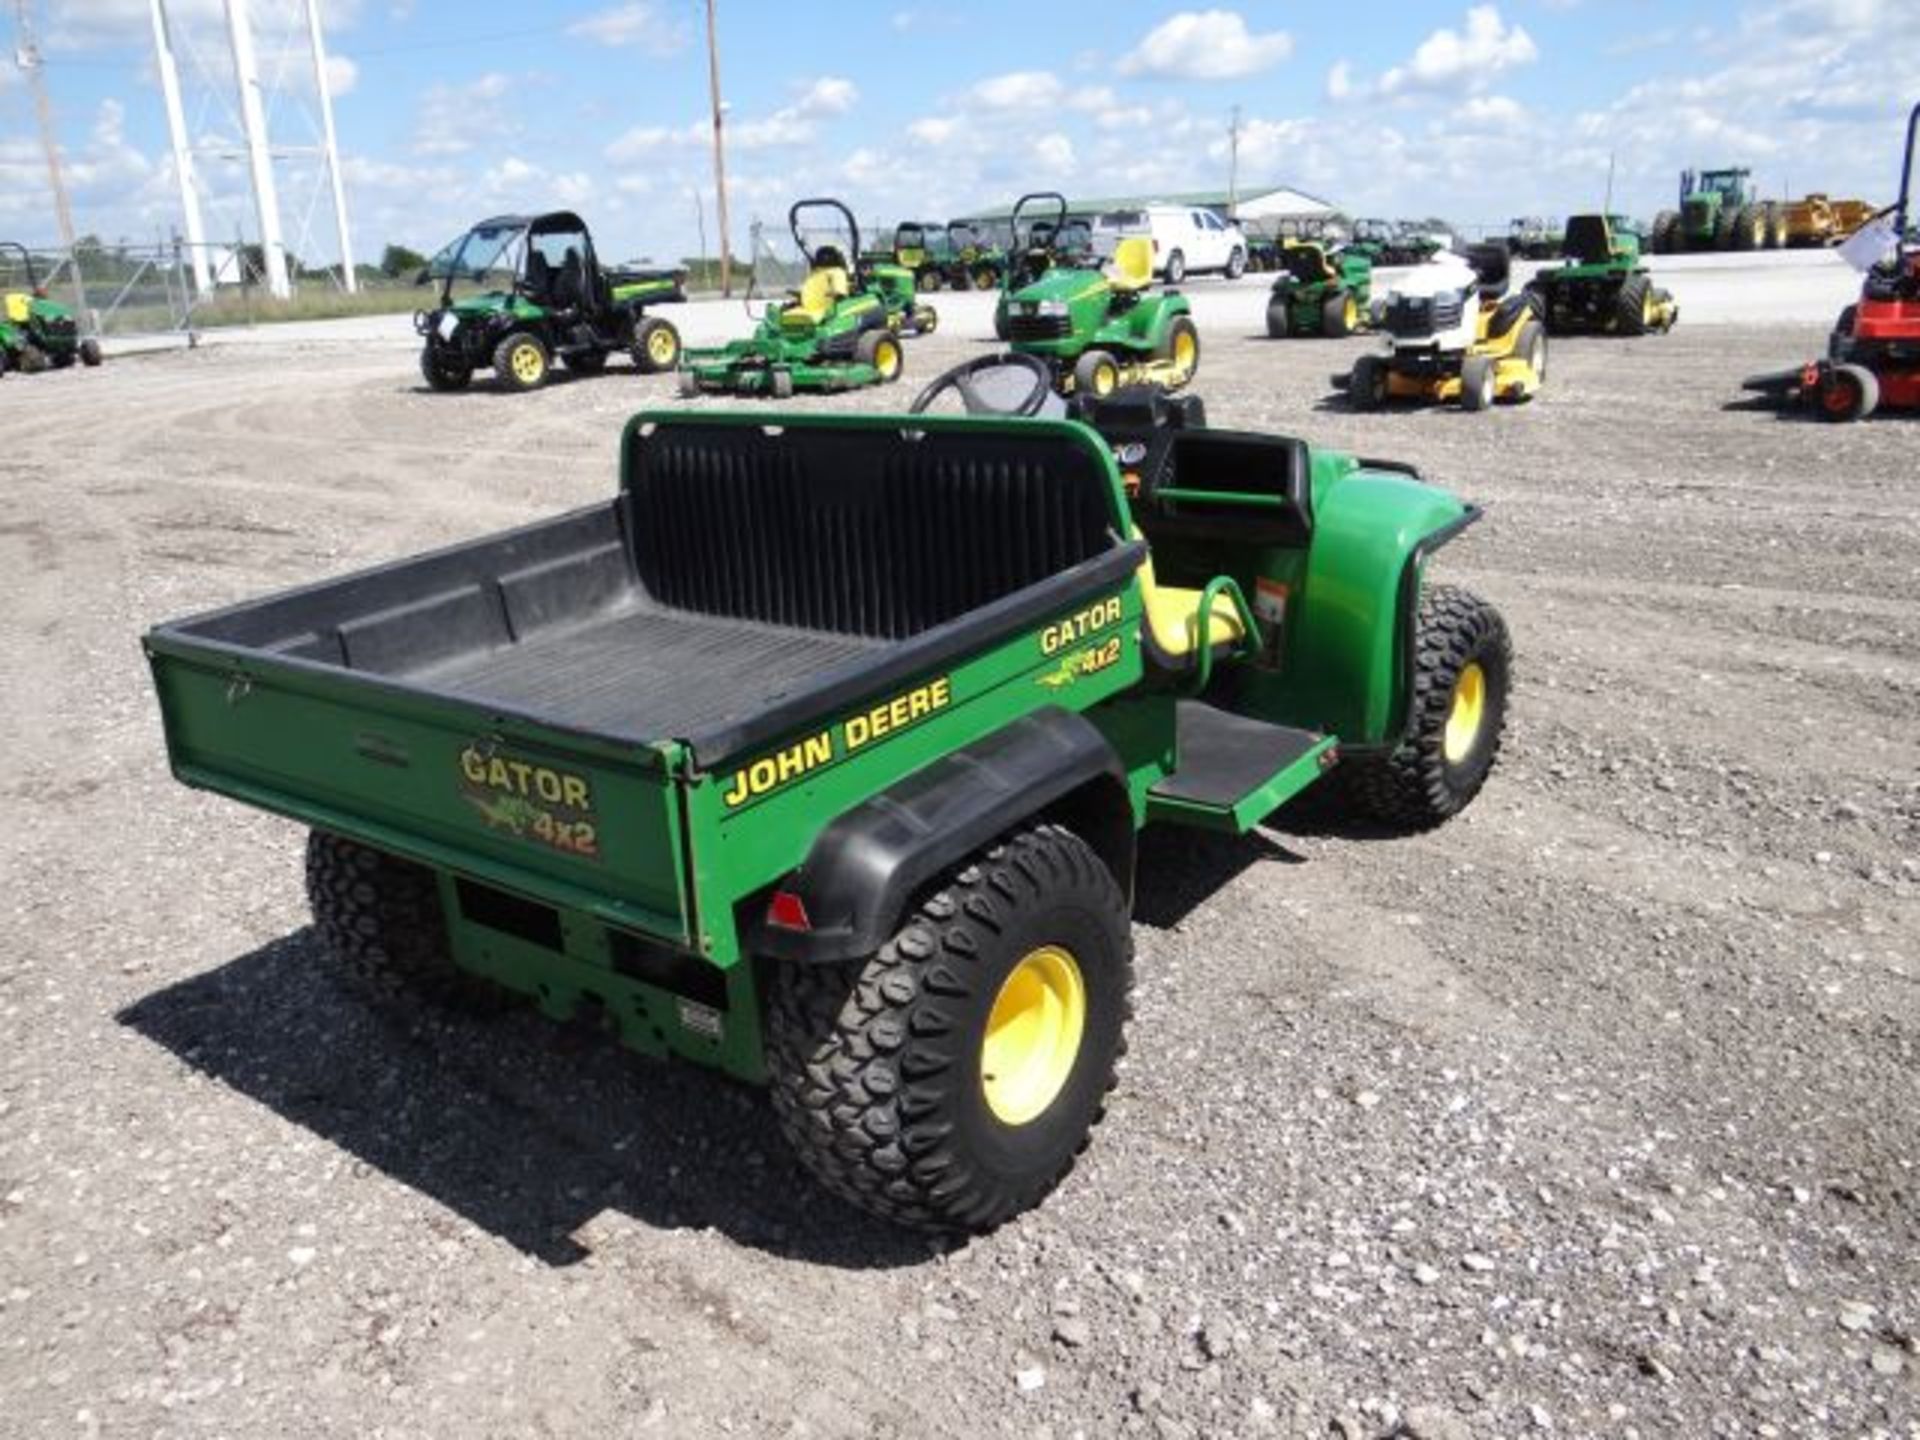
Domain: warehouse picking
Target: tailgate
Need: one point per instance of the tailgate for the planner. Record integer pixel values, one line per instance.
(579, 822)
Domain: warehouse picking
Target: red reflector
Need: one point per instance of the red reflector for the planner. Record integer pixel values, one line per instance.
(788, 911)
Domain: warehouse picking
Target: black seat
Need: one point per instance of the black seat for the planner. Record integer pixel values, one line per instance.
(1588, 240)
(539, 277)
(570, 282)
(1508, 313)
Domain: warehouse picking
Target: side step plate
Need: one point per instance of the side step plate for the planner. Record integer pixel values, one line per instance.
(1233, 772)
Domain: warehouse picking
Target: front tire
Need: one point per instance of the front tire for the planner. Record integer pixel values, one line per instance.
(881, 349)
(1176, 267)
(1096, 374)
(1463, 667)
(1340, 315)
(656, 346)
(90, 354)
(1367, 385)
(521, 362)
(950, 1081)
(1236, 263)
(444, 374)
(1847, 392)
(1180, 348)
(1476, 383)
(1631, 304)
(1279, 320)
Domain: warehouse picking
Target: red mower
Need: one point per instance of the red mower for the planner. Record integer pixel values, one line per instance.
(1873, 355)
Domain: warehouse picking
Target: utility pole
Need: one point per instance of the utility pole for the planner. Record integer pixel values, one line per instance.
(1607, 209)
(330, 149)
(719, 154)
(253, 119)
(1233, 165)
(182, 149)
(700, 224)
(27, 56)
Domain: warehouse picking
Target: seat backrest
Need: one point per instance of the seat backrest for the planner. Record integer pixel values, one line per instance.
(1588, 240)
(1132, 265)
(863, 530)
(824, 285)
(539, 276)
(570, 283)
(19, 307)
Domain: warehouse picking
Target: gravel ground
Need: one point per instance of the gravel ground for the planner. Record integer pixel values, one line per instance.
(1592, 1113)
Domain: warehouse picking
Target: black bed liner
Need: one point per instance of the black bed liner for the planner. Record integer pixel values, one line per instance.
(743, 582)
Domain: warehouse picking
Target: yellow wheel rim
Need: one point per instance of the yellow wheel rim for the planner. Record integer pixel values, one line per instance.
(1033, 1035)
(1352, 313)
(527, 364)
(661, 347)
(886, 359)
(1105, 380)
(1185, 351)
(1465, 715)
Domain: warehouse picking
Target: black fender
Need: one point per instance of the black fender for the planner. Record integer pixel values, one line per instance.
(865, 868)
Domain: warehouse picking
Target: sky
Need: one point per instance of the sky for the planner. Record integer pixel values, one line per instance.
(449, 110)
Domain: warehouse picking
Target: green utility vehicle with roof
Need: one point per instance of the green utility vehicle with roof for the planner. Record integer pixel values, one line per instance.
(1602, 287)
(518, 292)
(36, 333)
(1098, 327)
(818, 752)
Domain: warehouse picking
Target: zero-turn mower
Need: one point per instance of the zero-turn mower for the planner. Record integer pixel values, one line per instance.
(1602, 288)
(1454, 333)
(836, 331)
(1319, 293)
(36, 333)
(1873, 354)
(536, 292)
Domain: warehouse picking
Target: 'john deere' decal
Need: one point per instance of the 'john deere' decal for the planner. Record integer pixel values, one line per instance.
(531, 801)
(770, 772)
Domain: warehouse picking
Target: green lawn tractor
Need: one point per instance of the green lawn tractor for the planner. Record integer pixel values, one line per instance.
(784, 761)
(518, 292)
(1719, 210)
(924, 250)
(974, 262)
(839, 330)
(36, 333)
(1532, 237)
(1602, 288)
(1453, 335)
(1318, 293)
(1098, 328)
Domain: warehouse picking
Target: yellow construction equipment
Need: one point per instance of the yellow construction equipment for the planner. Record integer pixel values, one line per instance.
(1819, 219)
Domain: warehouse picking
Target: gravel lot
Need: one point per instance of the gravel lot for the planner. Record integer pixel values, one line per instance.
(1593, 1113)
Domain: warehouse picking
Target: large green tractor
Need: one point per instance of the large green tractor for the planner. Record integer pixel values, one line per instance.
(1318, 293)
(518, 292)
(1719, 210)
(1098, 328)
(839, 329)
(1601, 288)
(36, 333)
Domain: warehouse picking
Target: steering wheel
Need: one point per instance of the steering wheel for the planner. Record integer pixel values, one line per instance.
(1006, 384)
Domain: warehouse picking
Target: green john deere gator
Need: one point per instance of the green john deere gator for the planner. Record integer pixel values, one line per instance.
(519, 291)
(36, 333)
(1100, 328)
(1319, 293)
(1602, 288)
(838, 330)
(783, 759)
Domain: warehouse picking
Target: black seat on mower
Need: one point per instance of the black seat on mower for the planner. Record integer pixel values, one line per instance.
(1588, 240)
(1509, 313)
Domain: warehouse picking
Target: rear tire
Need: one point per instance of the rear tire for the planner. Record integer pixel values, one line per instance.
(380, 919)
(928, 280)
(656, 346)
(1630, 303)
(1664, 226)
(1367, 385)
(1476, 382)
(1176, 267)
(1339, 315)
(1180, 346)
(90, 355)
(879, 1066)
(1454, 722)
(1236, 263)
(1532, 347)
(881, 349)
(1279, 321)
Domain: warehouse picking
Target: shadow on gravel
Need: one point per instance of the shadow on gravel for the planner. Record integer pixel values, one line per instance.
(1179, 870)
(527, 1131)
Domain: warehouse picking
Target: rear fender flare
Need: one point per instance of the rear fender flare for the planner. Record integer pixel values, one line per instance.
(865, 868)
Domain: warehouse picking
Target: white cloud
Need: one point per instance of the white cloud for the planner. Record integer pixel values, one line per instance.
(790, 126)
(640, 23)
(453, 118)
(1491, 111)
(1206, 45)
(1020, 90)
(1449, 60)
(1340, 84)
(1053, 153)
(342, 76)
(933, 130)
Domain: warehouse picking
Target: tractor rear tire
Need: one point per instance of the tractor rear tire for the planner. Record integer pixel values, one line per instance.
(90, 354)
(1750, 228)
(443, 374)
(1476, 383)
(1279, 320)
(1847, 392)
(380, 920)
(1630, 304)
(1180, 347)
(1096, 374)
(1665, 225)
(656, 346)
(1367, 385)
(1339, 315)
(521, 361)
(1725, 230)
(1462, 672)
(950, 1081)
(881, 349)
